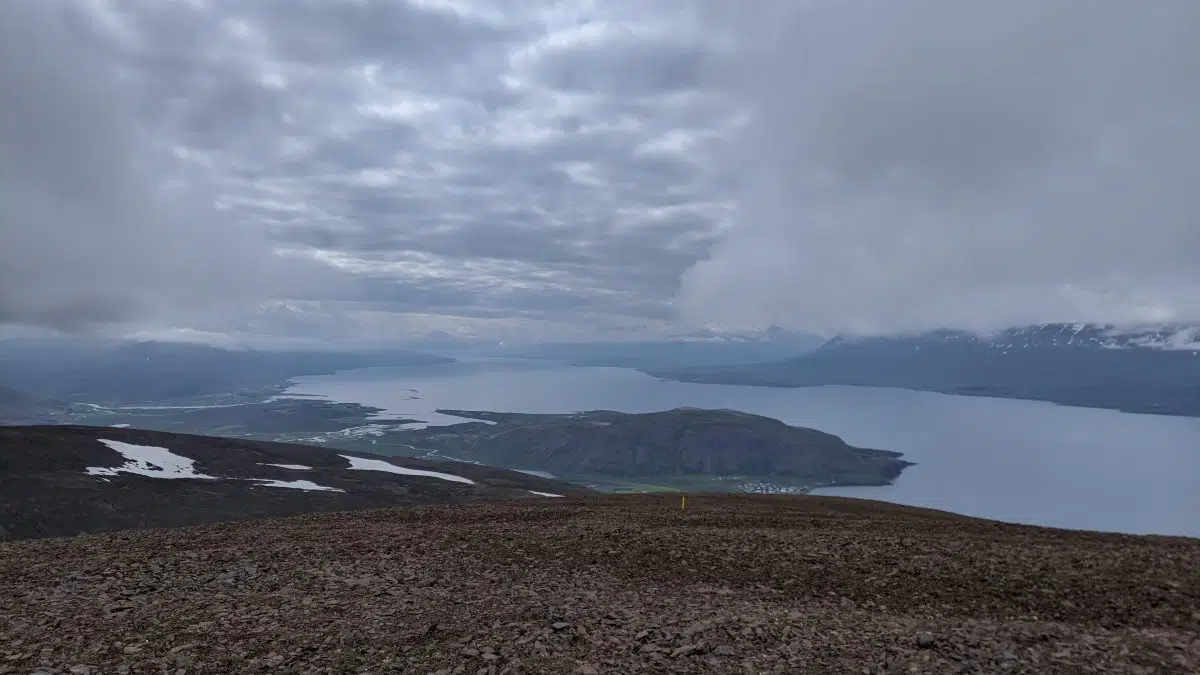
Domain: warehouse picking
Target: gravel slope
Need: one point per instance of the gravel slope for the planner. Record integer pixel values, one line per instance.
(604, 585)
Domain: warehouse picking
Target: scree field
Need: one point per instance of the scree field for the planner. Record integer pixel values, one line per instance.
(611, 584)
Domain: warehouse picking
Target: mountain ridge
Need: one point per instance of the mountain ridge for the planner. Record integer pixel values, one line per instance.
(67, 480)
(147, 371)
(1148, 370)
(1183, 337)
(19, 408)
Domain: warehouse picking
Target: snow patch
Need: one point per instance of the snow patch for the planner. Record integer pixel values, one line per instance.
(545, 494)
(295, 485)
(119, 426)
(294, 467)
(362, 464)
(535, 472)
(148, 460)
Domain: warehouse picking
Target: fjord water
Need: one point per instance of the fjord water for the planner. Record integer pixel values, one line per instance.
(1017, 461)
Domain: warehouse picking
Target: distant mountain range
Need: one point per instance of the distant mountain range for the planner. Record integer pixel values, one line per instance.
(684, 351)
(64, 480)
(155, 371)
(17, 408)
(1150, 369)
(1057, 335)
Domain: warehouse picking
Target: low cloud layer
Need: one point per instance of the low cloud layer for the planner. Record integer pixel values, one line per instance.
(931, 163)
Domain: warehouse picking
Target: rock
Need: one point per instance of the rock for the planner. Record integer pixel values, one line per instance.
(684, 650)
(80, 670)
(530, 587)
(182, 647)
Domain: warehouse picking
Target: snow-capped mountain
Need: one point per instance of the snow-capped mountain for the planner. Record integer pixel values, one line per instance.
(1054, 336)
(1145, 369)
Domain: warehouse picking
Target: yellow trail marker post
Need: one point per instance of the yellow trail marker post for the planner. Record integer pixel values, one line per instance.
(683, 503)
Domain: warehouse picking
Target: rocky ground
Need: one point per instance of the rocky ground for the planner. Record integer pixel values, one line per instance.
(737, 584)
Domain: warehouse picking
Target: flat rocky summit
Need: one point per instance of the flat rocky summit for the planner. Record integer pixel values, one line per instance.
(737, 584)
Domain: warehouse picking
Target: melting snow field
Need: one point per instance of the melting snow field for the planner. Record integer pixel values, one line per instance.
(119, 426)
(147, 460)
(545, 494)
(380, 465)
(295, 485)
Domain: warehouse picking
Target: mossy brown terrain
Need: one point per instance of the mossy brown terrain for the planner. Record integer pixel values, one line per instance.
(609, 584)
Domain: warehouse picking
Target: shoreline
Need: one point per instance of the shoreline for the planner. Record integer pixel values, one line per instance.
(1127, 409)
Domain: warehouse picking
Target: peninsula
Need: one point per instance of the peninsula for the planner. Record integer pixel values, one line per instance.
(684, 448)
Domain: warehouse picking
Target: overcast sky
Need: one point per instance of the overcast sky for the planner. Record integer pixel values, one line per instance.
(348, 170)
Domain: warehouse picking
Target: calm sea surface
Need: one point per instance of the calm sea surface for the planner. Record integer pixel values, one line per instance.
(1018, 461)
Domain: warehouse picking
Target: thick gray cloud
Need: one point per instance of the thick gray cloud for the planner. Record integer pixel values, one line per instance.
(480, 161)
(92, 231)
(342, 170)
(927, 163)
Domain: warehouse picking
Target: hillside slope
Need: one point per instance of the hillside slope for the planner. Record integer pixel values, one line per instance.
(679, 442)
(60, 480)
(1151, 371)
(17, 408)
(605, 585)
(156, 371)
